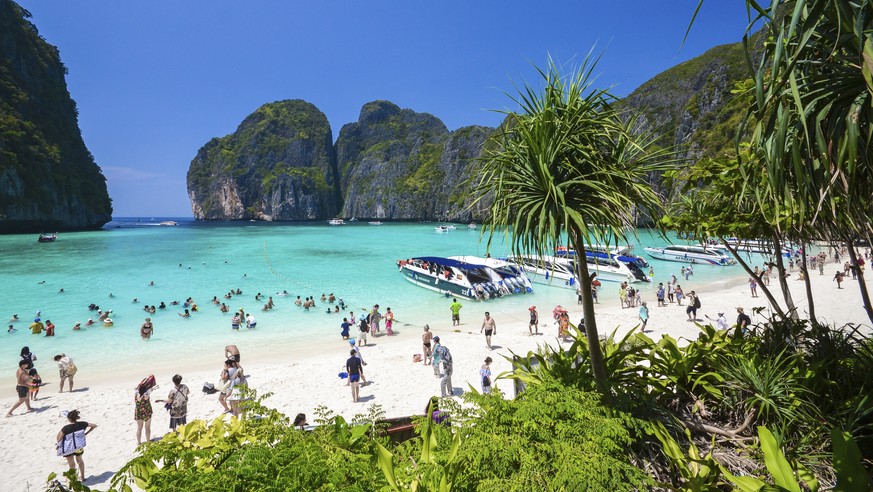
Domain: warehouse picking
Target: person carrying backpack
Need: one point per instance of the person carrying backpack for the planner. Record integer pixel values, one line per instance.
(693, 306)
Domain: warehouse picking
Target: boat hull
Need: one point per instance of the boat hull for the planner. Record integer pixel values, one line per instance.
(437, 284)
(683, 257)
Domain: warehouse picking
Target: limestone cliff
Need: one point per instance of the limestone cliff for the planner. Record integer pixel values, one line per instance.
(279, 165)
(690, 105)
(402, 165)
(48, 178)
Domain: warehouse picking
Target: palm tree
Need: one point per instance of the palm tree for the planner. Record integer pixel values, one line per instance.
(566, 165)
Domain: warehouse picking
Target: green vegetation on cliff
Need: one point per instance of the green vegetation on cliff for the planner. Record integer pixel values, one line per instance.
(48, 178)
(278, 165)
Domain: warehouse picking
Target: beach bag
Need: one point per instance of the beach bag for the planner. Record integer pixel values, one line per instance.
(209, 388)
(71, 443)
(696, 302)
(72, 369)
(486, 381)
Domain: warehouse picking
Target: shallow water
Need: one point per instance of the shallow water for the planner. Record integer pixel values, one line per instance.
(201, 260)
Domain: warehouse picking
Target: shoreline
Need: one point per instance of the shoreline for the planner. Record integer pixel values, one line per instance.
(305, 376)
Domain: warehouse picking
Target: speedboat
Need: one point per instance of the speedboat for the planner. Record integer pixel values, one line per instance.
(47, 238)
(472, 225)
(691, 254)
(561, 270)
(441, 229)
(548, 270)
(469, 277)
(753, 246)
(168, 223)
(375, 222)
(336, 221)
(600, 248)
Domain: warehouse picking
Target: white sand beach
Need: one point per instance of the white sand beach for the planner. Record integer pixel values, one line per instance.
(306, 378)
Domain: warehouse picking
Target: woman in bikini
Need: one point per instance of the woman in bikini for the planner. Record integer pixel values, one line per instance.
(426, 338)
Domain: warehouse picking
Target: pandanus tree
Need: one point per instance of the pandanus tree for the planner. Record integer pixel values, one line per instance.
(566, 166)
(812, 119)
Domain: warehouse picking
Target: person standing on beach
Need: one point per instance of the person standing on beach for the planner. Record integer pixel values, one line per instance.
(622, 294)
(693, 306)
(389, 322)
(375, 319)
(360, 357)
(485, 376)
(146, 330)
(231, 352)
(443, 357)
(660, 295)
(178, 402)
(355, 370)
(839, 279)
(363, 328)
(533, 326)
(142, 408)
(456, 306)
(490, 328)
(344, 329)
(679, 295)
(22, 387)
(71, 441)
(753, 286)
(67, 370)
(644, 317)
(426, 338)
(743, 321)
(28, 356)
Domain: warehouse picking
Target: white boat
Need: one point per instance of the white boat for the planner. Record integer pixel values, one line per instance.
(560, 270)
(753, 246)
(691, 254)
(336, 221)
(472, 225)
(449, 227)
(441, 229)
(168, 223)
(599, 248)
(469, 277)
(375, 222)
(47, 238)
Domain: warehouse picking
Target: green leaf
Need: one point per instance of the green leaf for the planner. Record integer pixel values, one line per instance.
(851, 476)
(386, 463)
(776, 463)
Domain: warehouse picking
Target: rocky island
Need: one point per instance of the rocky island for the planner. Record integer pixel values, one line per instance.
(48, 178)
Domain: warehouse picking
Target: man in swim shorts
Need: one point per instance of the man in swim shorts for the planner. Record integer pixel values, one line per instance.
(22, 380)
(490, 328)
(355, 370)
(231, 353)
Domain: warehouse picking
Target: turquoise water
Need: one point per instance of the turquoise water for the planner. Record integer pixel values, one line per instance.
(356, 262)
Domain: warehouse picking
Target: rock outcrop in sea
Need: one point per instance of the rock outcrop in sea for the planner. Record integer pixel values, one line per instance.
(397, 164)
(48, 179)
(402, 165)
(279, 165)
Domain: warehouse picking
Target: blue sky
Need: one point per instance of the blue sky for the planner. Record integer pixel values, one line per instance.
(154, 81)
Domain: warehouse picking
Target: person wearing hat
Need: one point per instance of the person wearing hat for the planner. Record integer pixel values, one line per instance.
(489, 326)
(721, 322)
(146, 330)
(533, 326)
(485, 375)
(36, 327)
(743, 321)
(77, 326)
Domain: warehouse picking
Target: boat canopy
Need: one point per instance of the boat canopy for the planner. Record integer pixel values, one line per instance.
(447, 262)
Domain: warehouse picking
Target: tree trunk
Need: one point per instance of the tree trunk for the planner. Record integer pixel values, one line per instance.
(783, 282)
(582, 276)
(865, 296)
(808, 286)
(764, 288)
